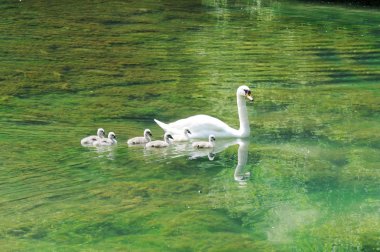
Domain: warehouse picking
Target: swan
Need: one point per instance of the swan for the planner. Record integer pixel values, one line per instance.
(159, 143)
(202, 145)
(141, 140)
(88, 141)
(202, 126)
(183, 137)
(111, 140)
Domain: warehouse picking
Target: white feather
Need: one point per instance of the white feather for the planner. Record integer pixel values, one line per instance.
(202, 126)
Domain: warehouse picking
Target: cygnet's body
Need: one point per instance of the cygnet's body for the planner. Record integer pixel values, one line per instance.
(89, 141)
(159, 143)
(203, 144)
(182, 138)
(111, 140)
(141, 140)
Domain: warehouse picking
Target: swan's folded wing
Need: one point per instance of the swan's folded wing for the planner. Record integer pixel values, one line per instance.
(201, 126)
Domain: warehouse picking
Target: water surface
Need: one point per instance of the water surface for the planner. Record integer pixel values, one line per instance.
(307, 179)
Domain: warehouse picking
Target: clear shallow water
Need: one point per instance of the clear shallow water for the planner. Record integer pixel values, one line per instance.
(311, 178)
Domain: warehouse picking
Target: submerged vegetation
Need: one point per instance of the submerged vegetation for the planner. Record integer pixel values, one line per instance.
(312, 172)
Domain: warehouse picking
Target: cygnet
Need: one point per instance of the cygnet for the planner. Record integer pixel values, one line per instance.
(141, 140)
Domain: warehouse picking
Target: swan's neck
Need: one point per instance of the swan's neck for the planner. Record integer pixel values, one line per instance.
(244, 129)
(242, 161)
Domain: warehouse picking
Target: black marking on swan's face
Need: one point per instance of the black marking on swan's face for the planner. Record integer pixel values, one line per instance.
(187, 131)
(248, 94)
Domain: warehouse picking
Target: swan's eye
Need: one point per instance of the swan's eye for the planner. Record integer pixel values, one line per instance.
(247, 92)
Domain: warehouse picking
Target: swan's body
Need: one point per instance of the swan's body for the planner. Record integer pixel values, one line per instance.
(111, 140)
(202, 126)
(141, 140)
(205, 145)
(182, 138)
(89, 141)
(159, 143)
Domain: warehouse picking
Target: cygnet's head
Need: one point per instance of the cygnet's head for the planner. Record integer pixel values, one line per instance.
(101, 132)
(245, 91)
(167, 137)
(147, 132)
(187, 131)
(111, 135)
(211, 138)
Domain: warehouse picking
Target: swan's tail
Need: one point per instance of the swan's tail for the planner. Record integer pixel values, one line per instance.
(164, 126)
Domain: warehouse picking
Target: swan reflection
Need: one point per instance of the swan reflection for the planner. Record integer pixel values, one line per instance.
(181, 149)
(222, 144)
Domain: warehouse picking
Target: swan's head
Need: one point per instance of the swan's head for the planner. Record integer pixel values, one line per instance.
(147, 132)
(245, 91)
(167, 137)
(101, 132)
(187, 131)
(111, 135)
(211, 138)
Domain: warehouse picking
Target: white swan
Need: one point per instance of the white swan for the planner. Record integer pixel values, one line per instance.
(141, 140)
(182, 138)
(159, 143)
(202, 126)
(202, 145)
(88, 141)
(111, 140)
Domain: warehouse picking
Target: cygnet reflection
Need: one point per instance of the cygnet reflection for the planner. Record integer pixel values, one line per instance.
(181, 149)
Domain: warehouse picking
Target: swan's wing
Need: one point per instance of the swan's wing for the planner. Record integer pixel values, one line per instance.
(200, 126)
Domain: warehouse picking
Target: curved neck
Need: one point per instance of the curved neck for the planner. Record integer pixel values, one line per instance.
(242, 161)
(244, 129)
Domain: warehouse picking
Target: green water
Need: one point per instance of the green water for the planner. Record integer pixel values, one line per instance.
(307, 179)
